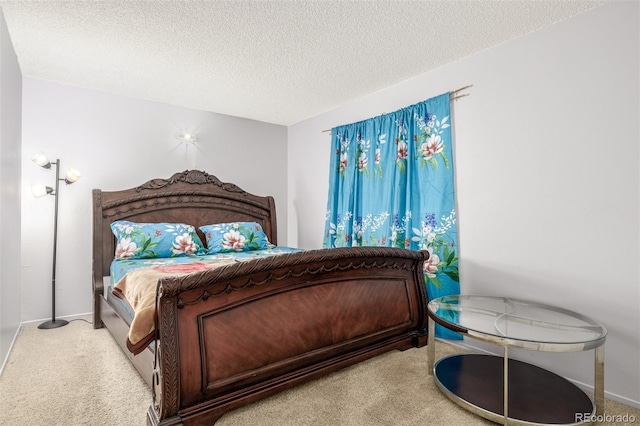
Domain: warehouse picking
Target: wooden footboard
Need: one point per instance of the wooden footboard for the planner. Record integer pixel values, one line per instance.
(242, 332)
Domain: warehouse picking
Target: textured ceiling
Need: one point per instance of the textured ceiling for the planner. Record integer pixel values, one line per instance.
(274, 61)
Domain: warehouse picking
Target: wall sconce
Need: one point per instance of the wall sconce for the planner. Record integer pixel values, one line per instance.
(187, 136)
(39, 191)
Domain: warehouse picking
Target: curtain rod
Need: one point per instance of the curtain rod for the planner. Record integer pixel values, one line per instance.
(452, 97)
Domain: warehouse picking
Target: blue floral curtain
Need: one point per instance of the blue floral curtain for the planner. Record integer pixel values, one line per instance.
(391, 184)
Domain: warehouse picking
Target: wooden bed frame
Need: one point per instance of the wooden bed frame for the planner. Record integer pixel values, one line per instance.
(236, 334)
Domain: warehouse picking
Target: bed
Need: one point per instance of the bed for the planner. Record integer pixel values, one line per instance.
(231, 335)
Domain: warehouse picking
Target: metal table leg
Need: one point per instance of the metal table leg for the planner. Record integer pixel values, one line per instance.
(431, 345)
(505, 384)
(598, 388)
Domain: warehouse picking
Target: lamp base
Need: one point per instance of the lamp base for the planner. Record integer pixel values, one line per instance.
(53, 324)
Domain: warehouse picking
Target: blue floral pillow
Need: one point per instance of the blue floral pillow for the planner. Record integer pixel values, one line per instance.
(151, 240)
(237, 236)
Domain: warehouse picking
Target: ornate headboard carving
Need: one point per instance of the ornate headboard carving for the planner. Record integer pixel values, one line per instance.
(195, 177)
(193, 196)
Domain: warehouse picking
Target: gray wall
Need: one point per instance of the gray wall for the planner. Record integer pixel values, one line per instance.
(119, 142)
(10, 128)
(547, 176)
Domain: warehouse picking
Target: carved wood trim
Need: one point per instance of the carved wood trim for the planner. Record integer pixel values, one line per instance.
(394, 257)
(97, 197)
(170, 368)
(290, 273)
(192, 177)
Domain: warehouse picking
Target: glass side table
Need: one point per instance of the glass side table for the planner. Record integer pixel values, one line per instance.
(505, 390)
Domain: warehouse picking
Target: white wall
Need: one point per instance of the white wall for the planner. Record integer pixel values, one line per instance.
(119, 142)
(10, 131)
(547, 160)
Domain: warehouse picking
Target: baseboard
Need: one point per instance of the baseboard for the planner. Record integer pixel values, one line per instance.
(13, 342)
(608, 395)
(67, 317)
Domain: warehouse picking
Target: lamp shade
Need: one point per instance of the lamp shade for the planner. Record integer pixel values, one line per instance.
(72, 176)
(41, 160)
(41, 190)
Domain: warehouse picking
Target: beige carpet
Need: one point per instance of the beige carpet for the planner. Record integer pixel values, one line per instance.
(76, 375)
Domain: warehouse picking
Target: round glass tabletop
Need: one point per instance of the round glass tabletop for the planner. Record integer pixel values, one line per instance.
(518, 323)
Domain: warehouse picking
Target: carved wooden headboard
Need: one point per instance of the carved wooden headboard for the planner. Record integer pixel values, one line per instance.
(193, 197)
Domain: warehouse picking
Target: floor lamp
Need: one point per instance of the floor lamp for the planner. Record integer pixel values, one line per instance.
(41, 190)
